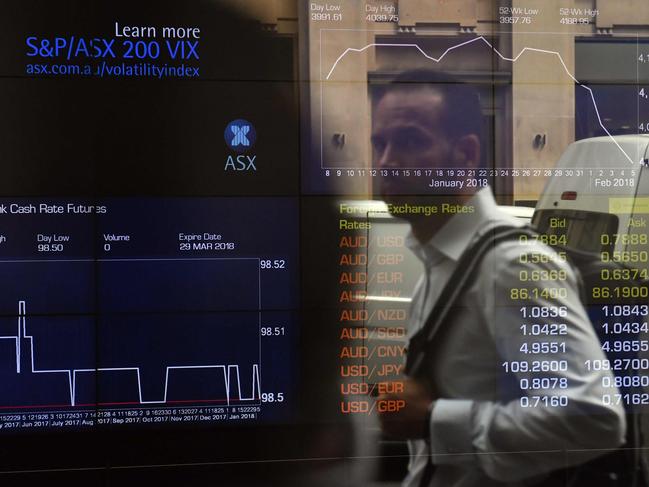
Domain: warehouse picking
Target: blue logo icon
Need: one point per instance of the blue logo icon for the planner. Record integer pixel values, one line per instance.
(240, 135)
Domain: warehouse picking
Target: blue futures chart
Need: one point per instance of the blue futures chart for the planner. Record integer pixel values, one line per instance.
(146, 311)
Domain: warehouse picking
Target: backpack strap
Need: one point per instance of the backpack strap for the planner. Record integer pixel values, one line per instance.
(419, 345)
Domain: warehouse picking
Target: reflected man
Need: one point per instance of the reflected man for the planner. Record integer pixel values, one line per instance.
(481, 414)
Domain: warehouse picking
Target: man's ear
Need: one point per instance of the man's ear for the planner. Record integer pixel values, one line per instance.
(466, 152)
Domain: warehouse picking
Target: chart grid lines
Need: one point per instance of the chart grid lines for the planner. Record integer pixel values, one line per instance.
(439, 59)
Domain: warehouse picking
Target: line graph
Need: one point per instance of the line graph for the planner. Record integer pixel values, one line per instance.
(230, 372)
(458, 46)
(155, 324)
(143, 335)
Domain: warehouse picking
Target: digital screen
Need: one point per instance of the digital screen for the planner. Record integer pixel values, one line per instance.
(128, 312)
(325, 243)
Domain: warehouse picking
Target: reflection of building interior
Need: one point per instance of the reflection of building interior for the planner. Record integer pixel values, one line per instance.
(533, 107)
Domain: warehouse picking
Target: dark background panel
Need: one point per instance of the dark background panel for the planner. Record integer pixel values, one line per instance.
(86, 135)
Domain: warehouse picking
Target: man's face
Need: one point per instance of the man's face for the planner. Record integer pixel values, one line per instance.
(407, 135)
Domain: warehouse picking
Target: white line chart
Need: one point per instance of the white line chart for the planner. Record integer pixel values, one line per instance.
(230, 372)
(505, 58)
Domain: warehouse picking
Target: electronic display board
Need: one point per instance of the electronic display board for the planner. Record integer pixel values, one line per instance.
(324, 242)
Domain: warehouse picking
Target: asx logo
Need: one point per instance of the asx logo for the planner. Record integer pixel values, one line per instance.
(240, 136)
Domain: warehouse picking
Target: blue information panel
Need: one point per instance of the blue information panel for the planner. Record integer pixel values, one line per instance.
(146, 311)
